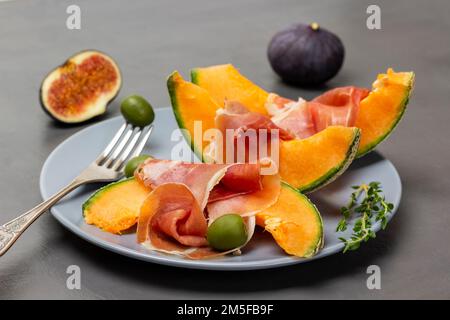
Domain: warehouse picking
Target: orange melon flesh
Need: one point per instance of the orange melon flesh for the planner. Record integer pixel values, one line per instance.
(306, 164)
(382, 109)
(116, 207)
(294, 223)
(225, 82)
(316, 161)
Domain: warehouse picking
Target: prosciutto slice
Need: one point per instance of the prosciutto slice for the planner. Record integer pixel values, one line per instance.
(293, 116)
(241, 136)
(236, 116)
(336, 107)
(292, 119)
(186, 197)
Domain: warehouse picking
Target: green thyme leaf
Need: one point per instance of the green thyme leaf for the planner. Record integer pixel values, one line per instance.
(372, 206)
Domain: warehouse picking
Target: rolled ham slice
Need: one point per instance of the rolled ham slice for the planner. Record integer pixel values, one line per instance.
(186, 197)
(171, 210)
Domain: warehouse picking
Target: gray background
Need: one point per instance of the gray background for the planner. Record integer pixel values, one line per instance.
(149, 39)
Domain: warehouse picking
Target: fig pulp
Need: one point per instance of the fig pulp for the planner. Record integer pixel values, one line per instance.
(81, 88)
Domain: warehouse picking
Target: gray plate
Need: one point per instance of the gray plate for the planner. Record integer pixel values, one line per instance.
(71, 156)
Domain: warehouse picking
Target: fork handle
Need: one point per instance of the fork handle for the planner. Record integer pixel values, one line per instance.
(12, 230)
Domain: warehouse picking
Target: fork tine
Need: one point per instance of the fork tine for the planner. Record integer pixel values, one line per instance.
(134, 149)
(111, 145)
(117, 163)
(141, 144)
(117, 150)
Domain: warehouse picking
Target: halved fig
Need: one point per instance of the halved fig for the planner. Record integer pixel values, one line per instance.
(81, 88)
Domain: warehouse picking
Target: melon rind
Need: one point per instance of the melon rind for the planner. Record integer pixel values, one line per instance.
(338, 170)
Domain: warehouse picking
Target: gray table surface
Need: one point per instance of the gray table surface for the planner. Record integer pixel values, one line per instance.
(149, 39)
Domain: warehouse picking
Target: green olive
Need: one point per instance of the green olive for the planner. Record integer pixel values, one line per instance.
(137, 111)
(227, 232)
(133, 163)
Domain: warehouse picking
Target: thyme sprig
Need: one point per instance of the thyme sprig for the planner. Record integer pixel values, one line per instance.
(372, 205)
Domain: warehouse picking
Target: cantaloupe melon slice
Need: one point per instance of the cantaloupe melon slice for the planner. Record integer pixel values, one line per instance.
(383, 108)
(294, 222)
(225, 82)
(115, 207)
(307, 164)
(191, 103)
(379, 112)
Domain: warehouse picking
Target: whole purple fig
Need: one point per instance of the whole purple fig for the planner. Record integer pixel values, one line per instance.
(306, 55)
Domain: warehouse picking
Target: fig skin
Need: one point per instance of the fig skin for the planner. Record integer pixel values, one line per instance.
(75, 121)
(306, 55)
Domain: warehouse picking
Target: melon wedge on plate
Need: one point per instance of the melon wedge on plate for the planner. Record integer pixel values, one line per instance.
(379, 112)
(383, 108)
(306, 164)
(294, 222)
(115, 207)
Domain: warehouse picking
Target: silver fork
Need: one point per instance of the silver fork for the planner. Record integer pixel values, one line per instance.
(127, 143)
